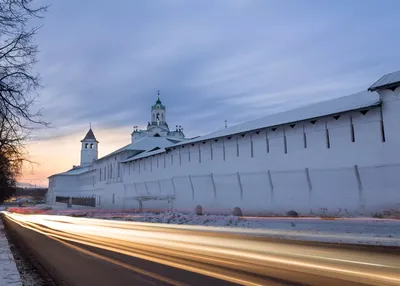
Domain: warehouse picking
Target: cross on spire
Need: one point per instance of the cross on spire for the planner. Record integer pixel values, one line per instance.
(90, 125)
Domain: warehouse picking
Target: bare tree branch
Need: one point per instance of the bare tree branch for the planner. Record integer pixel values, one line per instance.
(18, 87)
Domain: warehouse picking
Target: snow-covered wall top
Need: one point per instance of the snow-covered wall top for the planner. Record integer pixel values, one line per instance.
(73, 172)
(391, 80)
(355, 101)
(144, 154)
(142, 144)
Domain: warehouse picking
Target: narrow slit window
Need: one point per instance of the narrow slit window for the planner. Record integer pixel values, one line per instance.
(180, 158)
(189, 153)
(353, 139)
(199, 155)
(328, 143)
(212, 153)
(382, 127)
(251, 147)
(267, 141)
(165, 161)
(284, 143)
(304, 138)
(237, 148)
(223, 152)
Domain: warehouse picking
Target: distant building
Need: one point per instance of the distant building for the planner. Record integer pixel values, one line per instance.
(337, 157)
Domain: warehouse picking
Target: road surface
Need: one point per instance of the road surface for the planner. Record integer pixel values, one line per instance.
(81, 251)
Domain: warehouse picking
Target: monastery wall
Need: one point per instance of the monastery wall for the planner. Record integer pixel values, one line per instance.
(62, 186)
(334, 165)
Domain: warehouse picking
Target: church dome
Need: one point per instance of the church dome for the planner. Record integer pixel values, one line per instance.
(158, 105)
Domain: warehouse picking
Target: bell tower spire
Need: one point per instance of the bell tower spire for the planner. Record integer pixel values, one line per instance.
(89, 148)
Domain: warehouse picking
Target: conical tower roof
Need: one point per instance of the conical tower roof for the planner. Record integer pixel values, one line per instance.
(90, 136)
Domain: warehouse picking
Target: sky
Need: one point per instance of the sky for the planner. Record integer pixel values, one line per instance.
(102, 62)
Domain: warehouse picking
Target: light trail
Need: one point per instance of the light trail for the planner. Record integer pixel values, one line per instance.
(218, 253)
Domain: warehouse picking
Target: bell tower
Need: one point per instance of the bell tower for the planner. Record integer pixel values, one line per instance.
(158, 112)
(89, 149)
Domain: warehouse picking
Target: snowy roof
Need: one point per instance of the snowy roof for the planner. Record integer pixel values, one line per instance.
(117, 151)
(72, 172)
(387, 81)
(144, 154)
(145, 144)
(342, 104)
(90, 136)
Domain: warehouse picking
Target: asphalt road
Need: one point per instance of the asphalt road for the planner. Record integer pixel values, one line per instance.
(76, 251)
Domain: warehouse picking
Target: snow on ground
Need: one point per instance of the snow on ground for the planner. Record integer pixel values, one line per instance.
(371, 231)
(357, 230)
(9, 274)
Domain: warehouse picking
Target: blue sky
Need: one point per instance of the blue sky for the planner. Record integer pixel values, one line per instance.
(103, 61)
(212, 60)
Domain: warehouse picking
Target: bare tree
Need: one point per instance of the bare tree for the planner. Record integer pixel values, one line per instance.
(18, 85)
(12, 151)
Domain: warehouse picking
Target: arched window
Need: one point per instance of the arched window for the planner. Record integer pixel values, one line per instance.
(91, 146)
(86, 145)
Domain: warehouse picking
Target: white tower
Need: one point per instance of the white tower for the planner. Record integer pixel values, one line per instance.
(158, 112)
(89, 150)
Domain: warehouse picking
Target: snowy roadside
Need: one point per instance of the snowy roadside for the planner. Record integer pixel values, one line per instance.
(366, 231)
(9, 274)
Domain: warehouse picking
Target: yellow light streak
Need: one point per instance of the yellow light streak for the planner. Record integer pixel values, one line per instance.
(218, 254)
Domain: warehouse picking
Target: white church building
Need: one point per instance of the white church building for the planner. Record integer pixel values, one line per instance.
(337, 157)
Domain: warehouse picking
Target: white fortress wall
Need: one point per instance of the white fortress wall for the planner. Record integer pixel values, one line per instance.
(334, 164)
(345, 163)
(62, 185)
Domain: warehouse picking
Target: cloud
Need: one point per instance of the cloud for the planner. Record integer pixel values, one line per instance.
(212, 61)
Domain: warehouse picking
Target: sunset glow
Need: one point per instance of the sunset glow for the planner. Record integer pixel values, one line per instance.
(60, 154)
